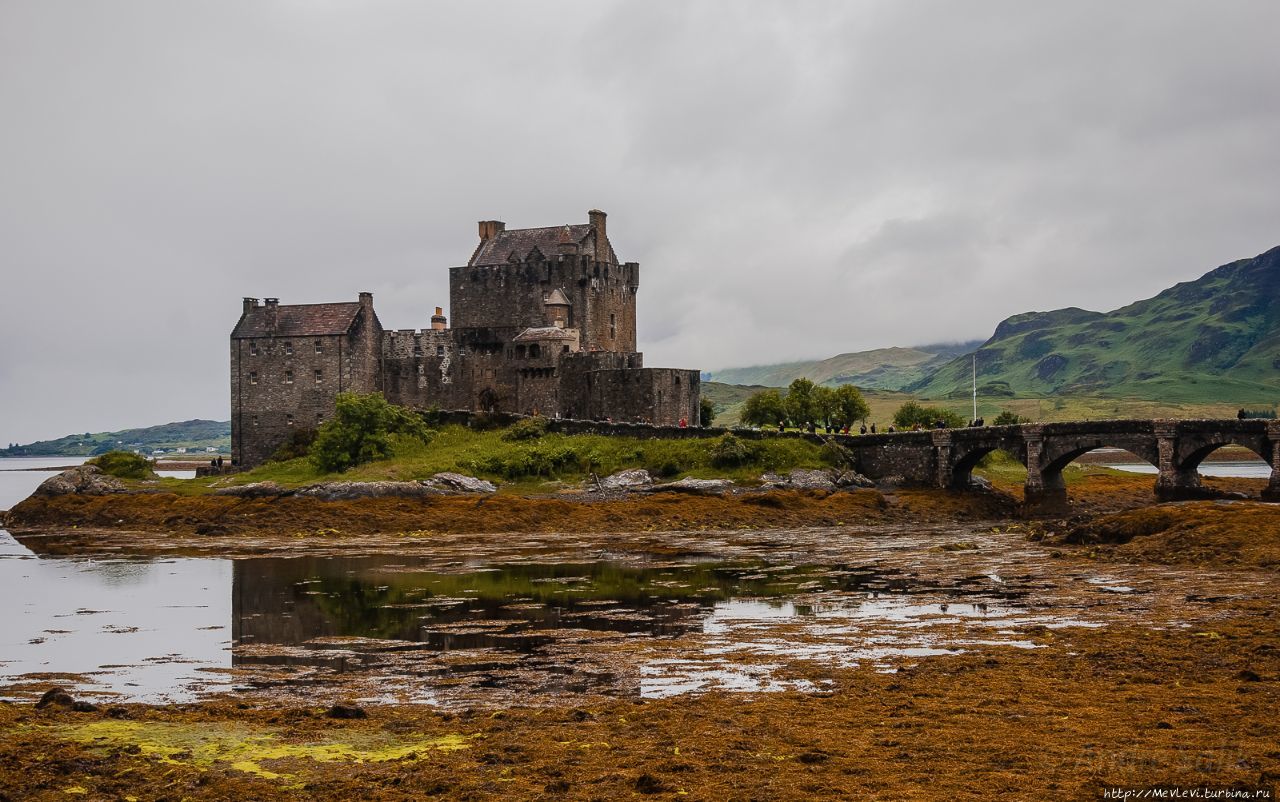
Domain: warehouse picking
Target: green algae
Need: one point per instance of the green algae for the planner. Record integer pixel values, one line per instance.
(245, 748)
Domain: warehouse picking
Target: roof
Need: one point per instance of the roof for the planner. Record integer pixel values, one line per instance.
(546, 333)
(520, 242)
(556, 298)
(298, 320)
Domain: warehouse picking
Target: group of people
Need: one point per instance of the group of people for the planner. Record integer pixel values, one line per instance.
(812, 428)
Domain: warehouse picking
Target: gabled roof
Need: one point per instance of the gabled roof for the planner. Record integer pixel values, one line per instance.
(545, 333)
(298, 320)
(517, 243)
(556, 298)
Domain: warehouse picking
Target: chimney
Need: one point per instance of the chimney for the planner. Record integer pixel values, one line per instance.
(597, 221)
(272, 305)
(366, 301)
(438, 322)
(491, 228)
(250, 304)
(567, 244)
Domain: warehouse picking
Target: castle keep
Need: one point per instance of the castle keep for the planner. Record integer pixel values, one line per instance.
(544, 323)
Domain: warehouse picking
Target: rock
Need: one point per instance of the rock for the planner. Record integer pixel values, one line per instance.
(700, 487)
(633, 479)
(891, 481)
(460, 483)
(979, 483)
(254, 490)
(336, 491)
(853, 479)
(807, 479)
(55, 696)
(83, 479)
(346, 711)
(84, 707)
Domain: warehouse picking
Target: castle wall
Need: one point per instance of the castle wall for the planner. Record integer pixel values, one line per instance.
(500, 301)
(280, 384)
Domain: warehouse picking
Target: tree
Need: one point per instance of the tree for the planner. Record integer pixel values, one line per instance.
(360, 431)
(800, 405)
(764, 408)
(850, 405)
(1008, 418)
(824, 405)
(706, 412)
(912, 413)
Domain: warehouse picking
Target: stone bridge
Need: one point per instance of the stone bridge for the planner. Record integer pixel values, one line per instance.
(946, 457)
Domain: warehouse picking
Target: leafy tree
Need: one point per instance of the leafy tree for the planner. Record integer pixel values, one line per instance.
(1008, 418)
(360, 431)
(850, 405)
(824, 405)
(764, 408)
(800, 404)
(913, 413)
(706, 412)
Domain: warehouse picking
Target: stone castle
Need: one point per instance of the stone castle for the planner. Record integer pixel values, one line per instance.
(544, 323)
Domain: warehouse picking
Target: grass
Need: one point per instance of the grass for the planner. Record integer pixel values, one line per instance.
(530, 465)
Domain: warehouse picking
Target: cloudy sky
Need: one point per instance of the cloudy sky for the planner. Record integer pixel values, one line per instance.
(796, 179)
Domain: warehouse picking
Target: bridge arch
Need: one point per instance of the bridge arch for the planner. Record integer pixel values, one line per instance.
(962, 466)
(1192, 454)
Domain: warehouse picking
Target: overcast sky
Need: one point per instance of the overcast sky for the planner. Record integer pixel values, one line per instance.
(796, 179)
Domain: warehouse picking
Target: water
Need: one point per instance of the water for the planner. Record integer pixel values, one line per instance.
(1240, 469)
(19, 476)
(394, 628)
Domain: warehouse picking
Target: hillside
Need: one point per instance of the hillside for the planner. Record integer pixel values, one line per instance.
(194, 435)
(1210, 340)
(881, 368)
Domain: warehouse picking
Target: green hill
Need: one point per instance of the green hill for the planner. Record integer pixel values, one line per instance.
(881, 368)
(194, 435)
(1214, 339)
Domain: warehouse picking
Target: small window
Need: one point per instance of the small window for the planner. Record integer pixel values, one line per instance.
(564, 349)
(288, 349)
(319, 346)
(255, 420)
(319, 376)
(288, 419)
(253, 349)
(319, 418)
(253, 377)
(439, 350)
(613, 327)
(288, 377)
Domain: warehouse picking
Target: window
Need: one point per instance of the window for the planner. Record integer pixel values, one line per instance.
(288, 377)
(319, 346)
(319, 418)
(253, 377)
(613, 327)
(288, 419)
(255, 420)
(288, 349)
(253, 348)
(319, 376)
(439, 350)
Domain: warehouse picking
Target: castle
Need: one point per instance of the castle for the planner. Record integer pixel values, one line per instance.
(544, 323)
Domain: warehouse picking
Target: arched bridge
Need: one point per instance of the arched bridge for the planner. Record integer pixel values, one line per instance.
(946, 457)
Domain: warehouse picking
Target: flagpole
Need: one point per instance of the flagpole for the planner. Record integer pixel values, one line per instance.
(975, 385)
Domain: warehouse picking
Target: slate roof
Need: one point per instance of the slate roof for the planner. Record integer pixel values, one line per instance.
(521, 242)
(299, 320)
(545, 333)
(556, 298)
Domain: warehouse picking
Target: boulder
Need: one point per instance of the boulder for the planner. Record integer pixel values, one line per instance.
(807, 479)
(853, 479)
(622, 481)
(459, 483)
(699, 487)
(253, 490)
(339, 491)
(87, 480)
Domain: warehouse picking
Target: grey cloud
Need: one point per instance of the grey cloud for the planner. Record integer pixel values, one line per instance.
(797, 179)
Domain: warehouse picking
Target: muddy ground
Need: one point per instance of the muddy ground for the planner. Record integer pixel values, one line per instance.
(1170, 673)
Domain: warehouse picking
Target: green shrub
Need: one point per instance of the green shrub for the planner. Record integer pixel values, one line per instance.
(360, 432)
(836, 455)
(730, 452)
(124, 465)
(298, 445)
(912, 413)
(1008, 418)
(526, 429)
(528, 461)
(706, 412)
